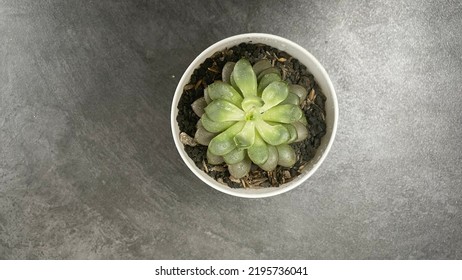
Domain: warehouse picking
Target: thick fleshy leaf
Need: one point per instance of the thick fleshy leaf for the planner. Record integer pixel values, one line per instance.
(240, 169)
(266, 80)
(224, 143)
(203, 136)
(286, 154)
(226, 71)
(292, 131)
(258, 152)
(272, 161)
(234, 156)
(302, 131)
(245, 78)
(300, 91)
(286, 113)
(233, 83)
(261, 65)
(303, 120)
(251, 102)
(214, 127)
(206, 96)
(214, 159)
(268, 71)
(198, 106)
(292, 98)
(246, 137)
(220, 90)
(274, 93)
(222, 111)
(272, 134)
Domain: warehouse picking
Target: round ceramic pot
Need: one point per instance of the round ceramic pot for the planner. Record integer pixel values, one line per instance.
(321, 77)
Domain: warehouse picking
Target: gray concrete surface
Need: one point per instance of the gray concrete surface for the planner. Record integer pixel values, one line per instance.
(88, 169)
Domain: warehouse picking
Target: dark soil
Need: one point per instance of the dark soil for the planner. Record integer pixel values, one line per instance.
(292, 71)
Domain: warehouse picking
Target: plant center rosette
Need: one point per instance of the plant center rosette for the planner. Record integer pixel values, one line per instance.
(252, 115)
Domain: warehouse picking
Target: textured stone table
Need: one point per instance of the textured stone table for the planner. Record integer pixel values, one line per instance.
(88, 168)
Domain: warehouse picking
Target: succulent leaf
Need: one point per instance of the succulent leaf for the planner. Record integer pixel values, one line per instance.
(266, 80)
(220, 90)
(226, 72)
(292, 132)
(240, 169)
(268, 71)
(245, 78)
(285, 113)
(251, 102)
(203, 136)
(214, 127)
(224, 143)
(300, 91)
(234, 156)
(272, 161)
(233, 83)
(258, 152)
(286, 155)
(272, 134)
(292, 98)
(304, 121)
(302, 131)
(260, 66)
(198, 106)
(246, 137)
(221, 110)
(274, 93)
(214, 159)
(206, 96)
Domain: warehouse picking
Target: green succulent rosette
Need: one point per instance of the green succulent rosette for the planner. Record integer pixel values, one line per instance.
(251, 116)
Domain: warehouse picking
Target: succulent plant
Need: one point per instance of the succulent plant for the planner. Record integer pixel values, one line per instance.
(250, 116)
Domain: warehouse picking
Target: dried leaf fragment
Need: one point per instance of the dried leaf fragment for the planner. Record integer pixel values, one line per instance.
(185, 139)
(213, 69)
(234, 180)
(188, 87)
(218, 168)
(300, 169)
(312, 95)
(198, 84)
(205, 166)
(286, 174)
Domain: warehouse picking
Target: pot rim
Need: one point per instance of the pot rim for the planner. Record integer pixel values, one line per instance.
(235, 40)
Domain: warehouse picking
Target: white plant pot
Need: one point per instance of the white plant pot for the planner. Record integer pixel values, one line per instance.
(321, 78)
